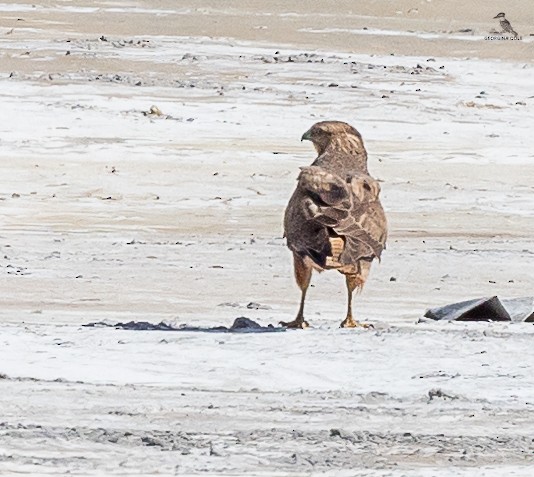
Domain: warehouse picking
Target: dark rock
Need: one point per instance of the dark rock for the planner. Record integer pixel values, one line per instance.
(486, 309)
(240, 325)
(520, 309)
(245, 323)
(480, 309)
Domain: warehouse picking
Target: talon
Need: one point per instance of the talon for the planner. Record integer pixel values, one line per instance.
(349, 323)
(295, 324)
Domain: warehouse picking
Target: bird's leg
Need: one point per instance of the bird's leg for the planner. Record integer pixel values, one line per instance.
(303, 273)
(353, 281)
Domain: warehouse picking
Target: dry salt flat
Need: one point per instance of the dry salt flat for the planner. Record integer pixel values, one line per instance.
(115, 211)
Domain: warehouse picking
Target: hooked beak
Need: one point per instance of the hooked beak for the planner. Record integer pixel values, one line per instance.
(306, 136)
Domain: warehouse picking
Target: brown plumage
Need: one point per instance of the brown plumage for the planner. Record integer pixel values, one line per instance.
(334, 219)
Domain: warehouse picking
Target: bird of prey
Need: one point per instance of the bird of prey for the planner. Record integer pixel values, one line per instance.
(505, 25)
(334, 219)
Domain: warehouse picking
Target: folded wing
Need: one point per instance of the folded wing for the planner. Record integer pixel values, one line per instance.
(349, 208)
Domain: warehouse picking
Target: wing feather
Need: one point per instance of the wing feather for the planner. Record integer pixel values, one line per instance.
(349, 207)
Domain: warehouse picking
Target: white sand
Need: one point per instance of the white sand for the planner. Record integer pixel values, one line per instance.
(111, 215)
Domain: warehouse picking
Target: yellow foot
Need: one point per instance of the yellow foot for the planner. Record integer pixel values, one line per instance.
(350, 323)
(297, 324)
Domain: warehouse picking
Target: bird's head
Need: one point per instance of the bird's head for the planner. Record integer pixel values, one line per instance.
(323, 133)
(500, 15)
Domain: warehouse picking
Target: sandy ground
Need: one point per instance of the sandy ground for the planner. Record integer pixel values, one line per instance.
(112, 214)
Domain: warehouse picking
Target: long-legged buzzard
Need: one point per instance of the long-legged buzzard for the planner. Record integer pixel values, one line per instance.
(334, 219)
